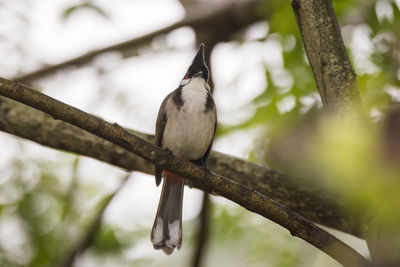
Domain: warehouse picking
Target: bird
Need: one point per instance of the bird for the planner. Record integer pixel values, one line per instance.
(185, 128)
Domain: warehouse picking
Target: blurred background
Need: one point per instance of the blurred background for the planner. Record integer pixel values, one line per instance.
(51, 200)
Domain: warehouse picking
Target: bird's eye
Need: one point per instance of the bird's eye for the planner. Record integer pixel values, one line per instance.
(186, 76)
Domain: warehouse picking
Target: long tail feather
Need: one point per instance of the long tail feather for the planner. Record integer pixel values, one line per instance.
(167, 228)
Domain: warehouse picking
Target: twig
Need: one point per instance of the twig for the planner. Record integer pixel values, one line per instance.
(201, 178)
(200, 19)
(88, 238)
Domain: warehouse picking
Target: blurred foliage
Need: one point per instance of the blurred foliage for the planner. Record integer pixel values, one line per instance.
(106, 241)
(356, 159)
(333, 151)
(373, 44)
(346, 157)
(53, 217)
(42, 217)
(253, 241)
(49, 217)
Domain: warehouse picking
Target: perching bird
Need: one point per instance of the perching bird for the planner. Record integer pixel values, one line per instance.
(185, 127)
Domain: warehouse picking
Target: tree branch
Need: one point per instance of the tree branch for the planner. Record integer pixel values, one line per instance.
(296, 193)
(201, 178)
(224, 19)
(335, 78)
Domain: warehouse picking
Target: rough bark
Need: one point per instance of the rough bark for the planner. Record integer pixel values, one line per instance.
(201, 178)
(293, 192)
(334, 76)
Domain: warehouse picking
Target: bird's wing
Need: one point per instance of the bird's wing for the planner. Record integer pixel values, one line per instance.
(160, 126)
(210, 105)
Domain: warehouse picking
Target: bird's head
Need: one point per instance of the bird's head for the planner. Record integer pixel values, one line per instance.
(198, 67)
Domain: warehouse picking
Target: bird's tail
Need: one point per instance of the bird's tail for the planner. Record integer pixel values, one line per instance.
(167, 229)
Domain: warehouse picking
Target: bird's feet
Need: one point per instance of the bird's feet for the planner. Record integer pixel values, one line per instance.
(201, 163)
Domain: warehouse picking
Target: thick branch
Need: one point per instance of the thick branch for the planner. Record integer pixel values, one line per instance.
(295, 193)
(335, 78)
(223, 19)
(201, 178)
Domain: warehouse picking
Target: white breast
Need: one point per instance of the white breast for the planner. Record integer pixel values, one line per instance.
(190, 129)
(194, 95)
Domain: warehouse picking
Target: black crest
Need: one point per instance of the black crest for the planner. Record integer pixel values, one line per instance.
(198, 67)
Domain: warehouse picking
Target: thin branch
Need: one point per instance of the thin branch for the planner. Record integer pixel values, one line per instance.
(201, 178)
(87, 239)
(203, 232)
(294, 192)
(235, 15)
(335, 78)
